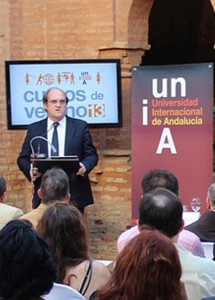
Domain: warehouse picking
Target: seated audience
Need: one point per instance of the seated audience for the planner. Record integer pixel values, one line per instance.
(204, 227)
(27, 270)
(7, 212)
(54, 186)
(152, 180)
(63, 226)
(163, 210)
(147, 268)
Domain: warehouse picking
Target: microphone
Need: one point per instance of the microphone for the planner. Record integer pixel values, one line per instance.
(43, 135)
(38, 154)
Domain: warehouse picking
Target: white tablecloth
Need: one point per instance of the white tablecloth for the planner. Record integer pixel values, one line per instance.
(190, 217)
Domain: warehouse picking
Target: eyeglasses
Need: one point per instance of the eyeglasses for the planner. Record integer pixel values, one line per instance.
(53, 102)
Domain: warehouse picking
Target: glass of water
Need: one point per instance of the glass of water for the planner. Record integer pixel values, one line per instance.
(196, 204)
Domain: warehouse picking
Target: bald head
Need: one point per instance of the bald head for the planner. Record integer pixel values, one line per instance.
(161, 209)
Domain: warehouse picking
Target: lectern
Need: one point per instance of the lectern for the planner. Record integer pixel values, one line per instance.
(70, 164)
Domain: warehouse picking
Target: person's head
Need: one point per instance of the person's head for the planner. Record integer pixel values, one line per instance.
(3, 187)
(27, 270)
(54, 186)
(63, 227)
(147, 268)
(160, 178)
(210, 200)
(161, 209)
(55, 103)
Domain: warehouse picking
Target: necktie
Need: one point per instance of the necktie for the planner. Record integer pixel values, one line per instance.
(55, 140)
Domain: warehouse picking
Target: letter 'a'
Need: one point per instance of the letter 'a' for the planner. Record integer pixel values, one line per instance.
(166, 142)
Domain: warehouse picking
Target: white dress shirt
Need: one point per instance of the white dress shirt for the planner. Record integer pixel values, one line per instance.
(61, 130)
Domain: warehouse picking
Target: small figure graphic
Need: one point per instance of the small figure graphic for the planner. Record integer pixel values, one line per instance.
(98, 77)
(40, 79)
(27, 78)
(66, 75)
(72, 78)
(59, 78)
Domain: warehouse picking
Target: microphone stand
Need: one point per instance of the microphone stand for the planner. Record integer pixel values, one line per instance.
(38, 154)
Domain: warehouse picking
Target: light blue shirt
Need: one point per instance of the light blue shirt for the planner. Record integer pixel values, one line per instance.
(198, 274)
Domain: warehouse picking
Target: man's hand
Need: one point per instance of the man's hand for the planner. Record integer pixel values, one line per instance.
(82, 170)
(34, 174)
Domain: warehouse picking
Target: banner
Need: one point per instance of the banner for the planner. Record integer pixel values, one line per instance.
(172, 127)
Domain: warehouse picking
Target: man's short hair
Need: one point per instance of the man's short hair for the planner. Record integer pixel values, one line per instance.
(3, 185)
(46, 95)
(211, 194)
(161, 209)
(160, 178)
(54, 185)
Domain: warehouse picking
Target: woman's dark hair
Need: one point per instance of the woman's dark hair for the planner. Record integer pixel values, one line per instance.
(27, 270)
(64, 229)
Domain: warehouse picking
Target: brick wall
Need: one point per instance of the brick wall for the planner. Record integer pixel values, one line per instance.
(111, 212)
(72, 29)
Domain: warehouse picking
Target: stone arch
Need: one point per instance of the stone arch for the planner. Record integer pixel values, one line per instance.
(138, 36)
(181, 32)
(138, 23)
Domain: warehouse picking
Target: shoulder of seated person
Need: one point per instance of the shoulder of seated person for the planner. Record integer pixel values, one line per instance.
(100, 267)
(189, 233)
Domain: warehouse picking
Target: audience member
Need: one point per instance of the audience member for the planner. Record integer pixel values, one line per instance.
(147, 268)
(204, 227)
(7, 212)
(27, 270)
(152, 180)
(54, 186)
(163, 210)
(63, 226)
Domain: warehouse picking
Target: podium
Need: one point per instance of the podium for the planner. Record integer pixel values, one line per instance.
(70, 164)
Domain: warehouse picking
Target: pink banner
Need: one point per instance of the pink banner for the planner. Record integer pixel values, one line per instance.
(172, 127)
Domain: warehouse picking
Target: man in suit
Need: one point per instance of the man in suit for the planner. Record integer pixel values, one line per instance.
(73, 139)
(7, 212)
(204, 227)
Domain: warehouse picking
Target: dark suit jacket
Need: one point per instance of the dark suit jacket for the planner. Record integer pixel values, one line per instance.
(204, 227)
(78, 142)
